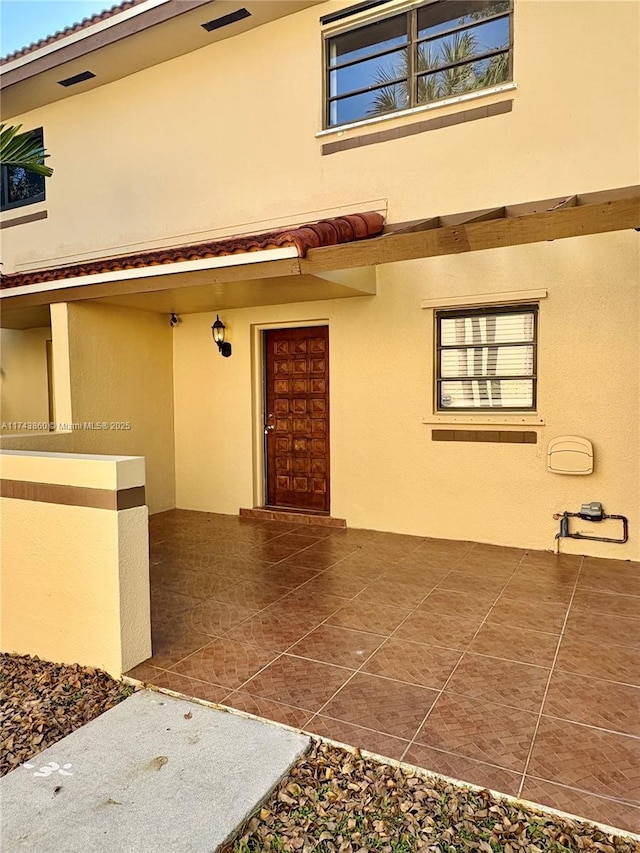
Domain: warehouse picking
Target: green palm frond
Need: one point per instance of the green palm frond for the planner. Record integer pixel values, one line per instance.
(497, 71)
(22, 150)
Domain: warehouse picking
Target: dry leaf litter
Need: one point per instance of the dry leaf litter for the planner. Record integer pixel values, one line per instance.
(41, 702)
(334, 801)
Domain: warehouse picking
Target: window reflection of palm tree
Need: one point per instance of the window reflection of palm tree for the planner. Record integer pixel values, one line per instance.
(459, 52)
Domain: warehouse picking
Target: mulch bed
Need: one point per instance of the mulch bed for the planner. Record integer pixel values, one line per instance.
(41, 702)
(334, 801)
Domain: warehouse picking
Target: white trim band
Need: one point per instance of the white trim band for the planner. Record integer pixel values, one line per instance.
(474, 300)
(287, 252)
(423, 108)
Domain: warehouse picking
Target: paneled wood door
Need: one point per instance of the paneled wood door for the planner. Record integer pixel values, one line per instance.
(297, 417)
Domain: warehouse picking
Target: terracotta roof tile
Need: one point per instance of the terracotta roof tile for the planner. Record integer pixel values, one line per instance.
(67, 31)
(327, 232)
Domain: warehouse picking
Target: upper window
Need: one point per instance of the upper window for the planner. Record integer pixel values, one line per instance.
(436, 51)
(486, 358)
(18, 186)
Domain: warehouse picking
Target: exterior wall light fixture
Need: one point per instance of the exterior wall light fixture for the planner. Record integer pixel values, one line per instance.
(218, 330)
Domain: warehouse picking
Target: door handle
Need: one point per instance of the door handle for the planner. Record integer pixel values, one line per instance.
(268, 428)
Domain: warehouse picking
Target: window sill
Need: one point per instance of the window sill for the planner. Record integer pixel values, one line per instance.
(416, 111)
(486, 420)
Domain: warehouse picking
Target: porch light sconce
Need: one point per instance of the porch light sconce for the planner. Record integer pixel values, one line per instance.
(218, 330)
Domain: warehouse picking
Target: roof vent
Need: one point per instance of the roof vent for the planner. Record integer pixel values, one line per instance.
(238, 15)
(77, 78)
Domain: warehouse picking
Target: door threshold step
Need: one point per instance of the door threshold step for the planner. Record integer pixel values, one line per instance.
(292, 516)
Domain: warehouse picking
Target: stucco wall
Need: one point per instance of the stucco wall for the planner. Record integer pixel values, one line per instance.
(386, 472)
(225, 136)
(115, 366)
(24, 387)
(75, 579)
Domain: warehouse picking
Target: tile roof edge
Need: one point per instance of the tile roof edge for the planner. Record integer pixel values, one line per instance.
(326, 232)
(112, 12)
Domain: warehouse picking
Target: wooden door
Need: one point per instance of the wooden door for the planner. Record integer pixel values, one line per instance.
(297, 418)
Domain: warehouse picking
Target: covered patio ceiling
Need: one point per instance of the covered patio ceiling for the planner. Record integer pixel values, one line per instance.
(284, 267)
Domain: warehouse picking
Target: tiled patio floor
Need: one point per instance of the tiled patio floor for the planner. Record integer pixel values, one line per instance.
(511, 669)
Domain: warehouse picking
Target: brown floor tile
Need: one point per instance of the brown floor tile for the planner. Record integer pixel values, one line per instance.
(616, 576)
(304, 536)
(275, 552)
(339, 646)
(376, 742)
(312, 559)
(464, 769)
(518, 644)
(599, 660)
(225, 662)
(336, 582)
(533, 615)
(375, 619)
(382, 705)
(303, 604)
(487, 566)
(282, 575)
(168, 650)
(267, 709)
(438, 630)
(519, 685)
(145, 672)
(603, 810)
(197, 584)
(428, 666)
(301, 683)
(539, 590)
(443, 551)
(532, 573)
(165, 603)
(407, 574)
(589, 759)
(480, 730)
(594, 702)
(189, 686)
(544, 560)
(485, 588)
(364, 563)
(393, 594)
(605, 602)
(251, 595)
(457, 604)
(210, 617)
(273, 629)
(598, 627)
(499, 552)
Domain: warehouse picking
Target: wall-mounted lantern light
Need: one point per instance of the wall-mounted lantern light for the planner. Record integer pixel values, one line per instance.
(218, 330)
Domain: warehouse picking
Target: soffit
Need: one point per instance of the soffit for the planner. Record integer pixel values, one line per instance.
(31, 78)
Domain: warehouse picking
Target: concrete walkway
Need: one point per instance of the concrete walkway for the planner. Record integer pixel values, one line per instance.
(154, 773)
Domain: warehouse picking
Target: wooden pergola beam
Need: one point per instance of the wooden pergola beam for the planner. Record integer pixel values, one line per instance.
(552, 219)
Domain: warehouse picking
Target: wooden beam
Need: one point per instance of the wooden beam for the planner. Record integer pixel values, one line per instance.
(477, 216)
(583, 219)
(569, 201)
(416, 225)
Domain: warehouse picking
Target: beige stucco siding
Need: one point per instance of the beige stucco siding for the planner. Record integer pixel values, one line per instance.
(225, 136)
(386, 472)
(24, 386)
(118, 371)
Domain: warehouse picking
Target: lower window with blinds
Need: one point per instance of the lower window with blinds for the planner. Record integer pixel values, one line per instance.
(487, 359)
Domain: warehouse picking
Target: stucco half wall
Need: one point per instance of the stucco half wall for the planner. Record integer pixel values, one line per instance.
(75, 563)
(112, 366)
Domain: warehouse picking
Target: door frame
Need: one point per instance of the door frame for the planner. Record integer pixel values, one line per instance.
(258, 398)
